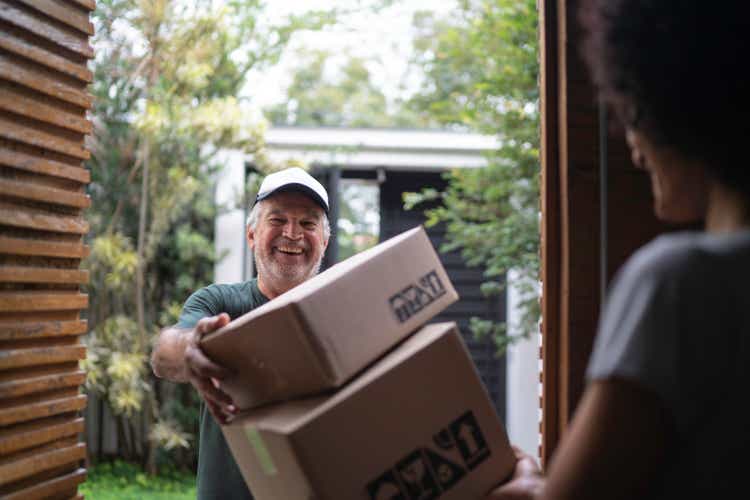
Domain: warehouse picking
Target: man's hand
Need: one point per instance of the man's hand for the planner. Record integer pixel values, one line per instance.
(204, 374)
(525, 483)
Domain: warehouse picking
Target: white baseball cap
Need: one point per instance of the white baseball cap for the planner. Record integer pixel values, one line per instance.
(293, 179)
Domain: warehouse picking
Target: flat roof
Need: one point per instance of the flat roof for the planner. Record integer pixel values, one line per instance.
(368, 148)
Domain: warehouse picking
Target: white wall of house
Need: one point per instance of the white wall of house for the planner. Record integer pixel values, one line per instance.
(229, 228)
(522, 381)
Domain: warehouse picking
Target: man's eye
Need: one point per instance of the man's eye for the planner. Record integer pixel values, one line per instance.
(309, 224)
(276, 221)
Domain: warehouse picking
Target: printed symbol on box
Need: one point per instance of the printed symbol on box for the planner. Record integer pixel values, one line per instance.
(470, 440)
(417, 478)
(425, 474)
(415, 297)
(386, 487)
(447, 472)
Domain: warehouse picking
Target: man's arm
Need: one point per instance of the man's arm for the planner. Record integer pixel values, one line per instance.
(178, 357)
(168, 356)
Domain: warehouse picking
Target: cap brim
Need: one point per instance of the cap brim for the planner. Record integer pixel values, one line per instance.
(296, 188)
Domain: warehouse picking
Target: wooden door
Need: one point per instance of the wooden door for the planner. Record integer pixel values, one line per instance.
(572, 215)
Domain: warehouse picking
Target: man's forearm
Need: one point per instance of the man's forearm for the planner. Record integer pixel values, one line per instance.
(168, 357)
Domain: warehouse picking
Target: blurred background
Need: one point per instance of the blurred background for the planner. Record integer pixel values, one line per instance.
(409, 112)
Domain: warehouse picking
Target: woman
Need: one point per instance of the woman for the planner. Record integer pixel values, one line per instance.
(664, 412)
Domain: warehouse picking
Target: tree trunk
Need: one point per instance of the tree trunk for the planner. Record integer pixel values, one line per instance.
(100, 430)
(151, 415)
(122, 440)
(143, 209)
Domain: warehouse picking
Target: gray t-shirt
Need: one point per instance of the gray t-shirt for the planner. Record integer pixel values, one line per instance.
(677, 322)
(218, 475)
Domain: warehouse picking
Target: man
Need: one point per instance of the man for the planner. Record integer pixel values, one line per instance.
(288, 231)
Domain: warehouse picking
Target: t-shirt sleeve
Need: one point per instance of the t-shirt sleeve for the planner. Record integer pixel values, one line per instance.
(637, 331)
(657, 328)
(203, 303)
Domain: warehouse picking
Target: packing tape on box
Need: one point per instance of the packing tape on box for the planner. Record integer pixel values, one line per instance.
(261, 451)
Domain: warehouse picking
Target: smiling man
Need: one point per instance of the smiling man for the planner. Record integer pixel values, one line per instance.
(288, 231)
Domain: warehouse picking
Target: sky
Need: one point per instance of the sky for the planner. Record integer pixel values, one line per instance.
(384, 36)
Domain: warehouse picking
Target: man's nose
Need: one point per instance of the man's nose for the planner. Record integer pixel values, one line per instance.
(292, 230)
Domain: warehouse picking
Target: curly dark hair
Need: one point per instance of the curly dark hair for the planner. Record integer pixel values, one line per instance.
(679, 72)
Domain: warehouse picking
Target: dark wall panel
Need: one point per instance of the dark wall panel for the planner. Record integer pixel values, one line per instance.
(394, 220)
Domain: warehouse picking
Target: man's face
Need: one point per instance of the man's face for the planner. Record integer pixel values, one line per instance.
(288, 241)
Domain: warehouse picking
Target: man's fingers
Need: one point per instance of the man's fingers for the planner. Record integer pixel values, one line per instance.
(212, 323)
(216, 412)
(210, 392)
(201, 366)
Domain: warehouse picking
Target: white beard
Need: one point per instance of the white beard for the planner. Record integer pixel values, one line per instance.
(283, 276)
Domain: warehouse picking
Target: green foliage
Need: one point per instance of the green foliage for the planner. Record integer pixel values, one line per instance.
(116, 366)
(166, 79)
(168, 436)
(120, 480)
(481, 71)
(328, 95)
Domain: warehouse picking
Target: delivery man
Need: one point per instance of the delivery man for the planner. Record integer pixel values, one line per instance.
(288, 231)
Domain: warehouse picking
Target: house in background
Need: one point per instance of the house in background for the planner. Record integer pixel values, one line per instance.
(378, 166)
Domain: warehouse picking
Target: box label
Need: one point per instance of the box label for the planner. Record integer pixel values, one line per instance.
(417, 296)
(427, 473)
(261, 451)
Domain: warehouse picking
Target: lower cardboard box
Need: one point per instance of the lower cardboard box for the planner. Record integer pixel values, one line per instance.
(417, 424)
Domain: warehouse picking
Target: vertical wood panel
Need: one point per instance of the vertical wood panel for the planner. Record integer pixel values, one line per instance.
(570, 256)
(551, 261)
(44, 49)
(571, 212)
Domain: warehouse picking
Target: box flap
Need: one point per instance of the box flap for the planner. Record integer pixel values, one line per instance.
(260, 361)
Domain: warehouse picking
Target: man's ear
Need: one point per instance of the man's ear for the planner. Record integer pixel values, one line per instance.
(250, 238)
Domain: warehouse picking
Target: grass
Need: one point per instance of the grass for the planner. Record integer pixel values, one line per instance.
(120, 480)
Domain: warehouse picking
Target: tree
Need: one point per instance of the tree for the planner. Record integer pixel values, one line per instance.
(326, 94)
(167, 77)
(480, 70)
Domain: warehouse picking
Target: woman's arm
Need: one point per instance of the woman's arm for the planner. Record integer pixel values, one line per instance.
(615, 447)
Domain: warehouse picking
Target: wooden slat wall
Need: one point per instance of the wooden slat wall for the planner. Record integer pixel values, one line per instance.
(44, 50)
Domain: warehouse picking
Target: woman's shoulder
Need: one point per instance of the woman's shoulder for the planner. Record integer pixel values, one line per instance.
(689, 254)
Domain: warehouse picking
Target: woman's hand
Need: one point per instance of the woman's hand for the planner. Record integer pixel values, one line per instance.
(525, 483)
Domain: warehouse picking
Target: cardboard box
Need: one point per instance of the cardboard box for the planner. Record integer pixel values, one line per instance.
(418, 424)
(318, 335)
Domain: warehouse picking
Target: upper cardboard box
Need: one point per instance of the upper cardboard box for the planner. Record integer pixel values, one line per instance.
(321, 333)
